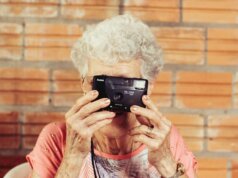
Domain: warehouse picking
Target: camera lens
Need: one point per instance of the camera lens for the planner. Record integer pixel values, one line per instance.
(117, 96)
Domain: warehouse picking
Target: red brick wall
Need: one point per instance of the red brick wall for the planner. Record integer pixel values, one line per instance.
(197, 90)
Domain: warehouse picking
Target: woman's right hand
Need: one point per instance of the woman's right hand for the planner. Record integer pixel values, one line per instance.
(83, 120)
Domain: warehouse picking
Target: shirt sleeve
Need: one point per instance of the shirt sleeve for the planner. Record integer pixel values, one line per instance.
(181, 153)
(46, 156)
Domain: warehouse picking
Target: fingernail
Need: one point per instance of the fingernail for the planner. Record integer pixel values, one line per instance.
(134, 108)
(112, 114)
(94, 92)
(106, 101)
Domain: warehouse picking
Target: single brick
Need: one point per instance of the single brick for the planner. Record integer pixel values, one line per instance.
(42, 117)
(28, 10)
(88, 12)
(222, 48)
(164, 11)
(223, 11)
(203, 90)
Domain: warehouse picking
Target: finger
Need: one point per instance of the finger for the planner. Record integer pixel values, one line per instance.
(142, 129)
(98, 116)
(151, 143)
(152, 116)
(92, 107)
(100, 124)
(90, 96)
(149, 103)
(83, 126)
(166, 122)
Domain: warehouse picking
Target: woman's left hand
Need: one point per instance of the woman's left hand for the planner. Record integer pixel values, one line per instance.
(154, 132)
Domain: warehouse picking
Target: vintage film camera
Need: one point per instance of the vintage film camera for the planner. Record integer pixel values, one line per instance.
(123, 92)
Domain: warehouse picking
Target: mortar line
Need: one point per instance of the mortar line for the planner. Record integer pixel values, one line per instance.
(205, 143)
(181, 11)
(174, 89)
(229, 169)
(205, 46)
(121, 7)
(234, 79)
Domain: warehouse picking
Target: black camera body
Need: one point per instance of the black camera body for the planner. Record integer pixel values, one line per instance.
(123, 92)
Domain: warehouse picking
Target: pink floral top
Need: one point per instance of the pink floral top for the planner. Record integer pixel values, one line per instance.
(48, 153)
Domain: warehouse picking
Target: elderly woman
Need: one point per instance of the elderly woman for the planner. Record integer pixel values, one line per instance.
(94, 142)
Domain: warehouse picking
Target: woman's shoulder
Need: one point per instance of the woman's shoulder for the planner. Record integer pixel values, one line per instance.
(54, 132)
(56, 127)
(48, 151)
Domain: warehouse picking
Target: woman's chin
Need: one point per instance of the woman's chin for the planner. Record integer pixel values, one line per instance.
(119, 126)
(120, 115)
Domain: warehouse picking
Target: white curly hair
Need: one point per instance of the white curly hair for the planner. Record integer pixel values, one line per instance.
(120, 38)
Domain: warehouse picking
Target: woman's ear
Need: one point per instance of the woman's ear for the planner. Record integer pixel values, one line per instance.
(150, 87)
(86, 84)
(83, 85)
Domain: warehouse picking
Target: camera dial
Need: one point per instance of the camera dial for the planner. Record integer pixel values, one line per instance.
(117, 96)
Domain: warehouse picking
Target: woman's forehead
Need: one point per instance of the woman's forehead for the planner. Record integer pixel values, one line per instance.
(123, 69)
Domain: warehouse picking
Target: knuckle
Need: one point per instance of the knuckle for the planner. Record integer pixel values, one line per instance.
(82, 111)
(102, 114)
(85, 133)
(78, 100)
(85, 110)
(66, 115)
(140, 137)
(169, 123)
(159, 113)
(157, 109)
(95, 115)
(167, 128)
(81, 129)
(70, 124)
(89, 107)
(157, 145)
(101, 103)
(143, 127)
(67, 121)
(83, 100)
(153, 147)
(154, 115)
(163, 135)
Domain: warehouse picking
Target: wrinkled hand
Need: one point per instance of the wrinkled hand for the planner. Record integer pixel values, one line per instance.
(154, 132)
(82, 120)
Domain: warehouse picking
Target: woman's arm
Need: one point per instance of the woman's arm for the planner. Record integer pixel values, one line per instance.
(34, 175)
(82, 121)
(163, 153)
(70, 167)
